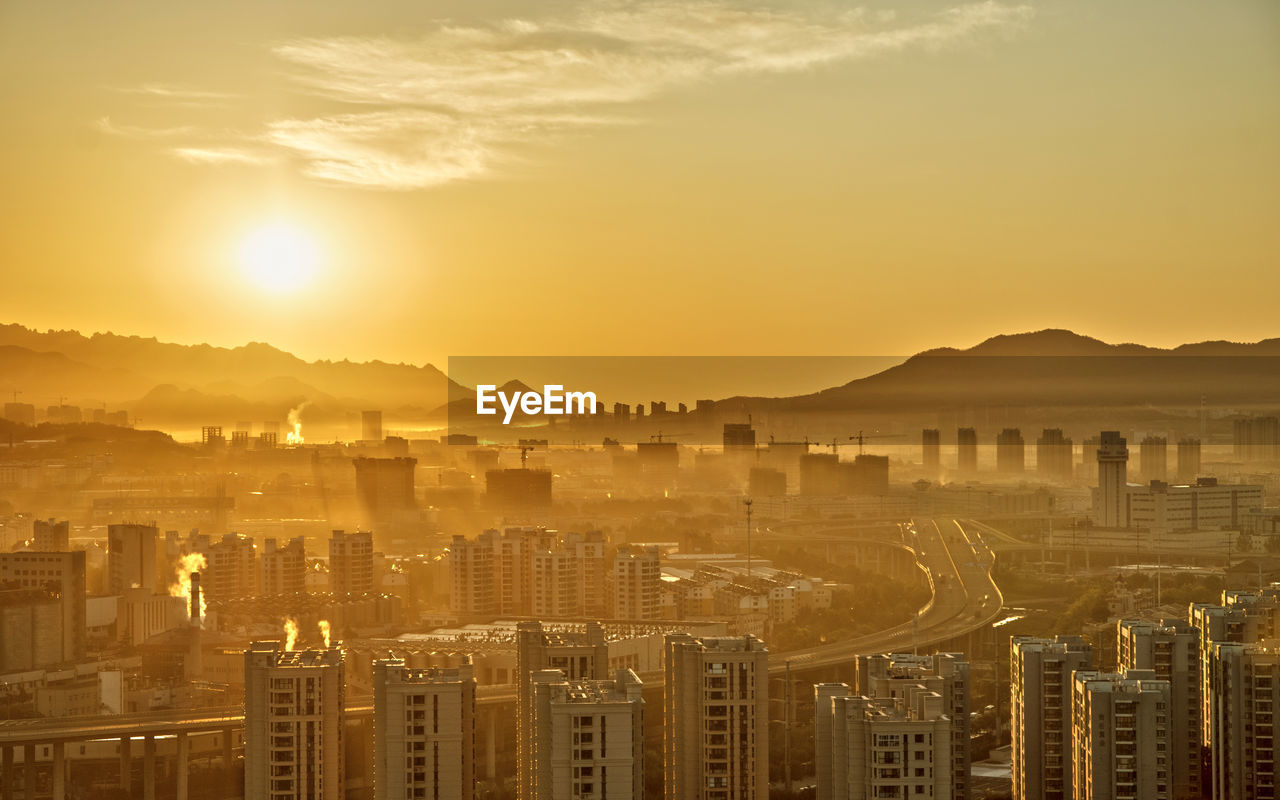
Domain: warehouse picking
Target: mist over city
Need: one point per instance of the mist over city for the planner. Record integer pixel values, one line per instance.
(619, 400)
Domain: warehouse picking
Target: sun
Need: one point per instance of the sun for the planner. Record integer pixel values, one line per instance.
(279, 257)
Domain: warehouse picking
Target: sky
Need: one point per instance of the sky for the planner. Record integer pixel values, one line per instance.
(411, 181)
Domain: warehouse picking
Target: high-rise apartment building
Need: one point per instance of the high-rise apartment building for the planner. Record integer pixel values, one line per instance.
(580, 656)
(131, 557)
(1188, 460)
(1054, 458)
(1171, 651)
(371, 426)
(1011, 451)
(1245, 687)
(1120, 736)
(716, 718)
(931, 450)
(385, 486)
(1153, 452)
(294, 706)
(889, 676)
(283, 570)
(424, 739)
(1110, 504)
(529, 572)
(50, 536)
(1257, 438)
(231, 568)
(588, 737)
(62, 577)
(967, 450)
(887, 747)
(637, 584)
(1040, 689)
(351, 562)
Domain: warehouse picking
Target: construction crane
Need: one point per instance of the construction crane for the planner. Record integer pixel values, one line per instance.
(659, 436)
(859, 437)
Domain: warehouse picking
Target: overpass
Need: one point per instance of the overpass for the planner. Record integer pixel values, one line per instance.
(953, 555)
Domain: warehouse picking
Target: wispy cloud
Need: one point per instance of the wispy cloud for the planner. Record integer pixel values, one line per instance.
(220, 155)
(106, 125)
(179, 93)
(457, 102)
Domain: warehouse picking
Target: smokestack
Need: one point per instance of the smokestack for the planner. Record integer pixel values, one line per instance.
(195, 599)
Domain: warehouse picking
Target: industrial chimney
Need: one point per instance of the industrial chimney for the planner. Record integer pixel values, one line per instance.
(195, 599)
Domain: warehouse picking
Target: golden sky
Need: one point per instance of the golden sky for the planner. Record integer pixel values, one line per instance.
(599, 177)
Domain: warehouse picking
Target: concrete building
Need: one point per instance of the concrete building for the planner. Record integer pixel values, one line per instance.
(1011, 451)
(766, 482)
(385, 486)
(49, 536)
(1120, 736)
(1110, 508)
(371, 426)
(131, 557)
(888, 748)
(60, 576)
(967, 450)
(1040, 699)
(294, 708)
(931, 450)
(588, 737)
(1188, 460)
(424, 731)
(529, 572)
(1204, 505)
(580, 657)
(231, 568)
(1153, 454)
(351, 562)
(1054, 459)
(283, 570)
(716, 718)
(1245, 688)
(517, 489)
(1171, 651)
(1256, 439)
(893, 677)
(637, 584)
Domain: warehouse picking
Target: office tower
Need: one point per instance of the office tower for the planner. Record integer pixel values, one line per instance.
(231, 568)
(131, 557)
(739, 436)
(716, 718)
(1053, 455)
(294, 708)
(384, 486)
(1110, 500)
(49, 536)
(637, 584)
(424, 739)
(351, 562)
(587, 737)
(517, 489)
(887, 747)
(283, 570)
(371, 426)
(887, 676)
(1257, 438)
(579, 656)
(766, 482)
(1011, 451)
(1171, 650)
(1154, 455)
(1040, 726)
(967, 450)
(1245, 689)
(1120, 736)
(61, 578)
(1188, 460)
(931, 450)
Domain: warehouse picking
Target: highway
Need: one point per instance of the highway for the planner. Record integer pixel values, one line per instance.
(954, 556)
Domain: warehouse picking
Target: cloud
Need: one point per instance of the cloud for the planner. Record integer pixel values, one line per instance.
(105, 125)
(224, 155)
(178, 93)
(459, 102)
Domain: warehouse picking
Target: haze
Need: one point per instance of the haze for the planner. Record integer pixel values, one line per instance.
(591, 178)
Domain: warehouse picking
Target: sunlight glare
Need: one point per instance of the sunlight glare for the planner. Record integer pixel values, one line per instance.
(279, 257)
